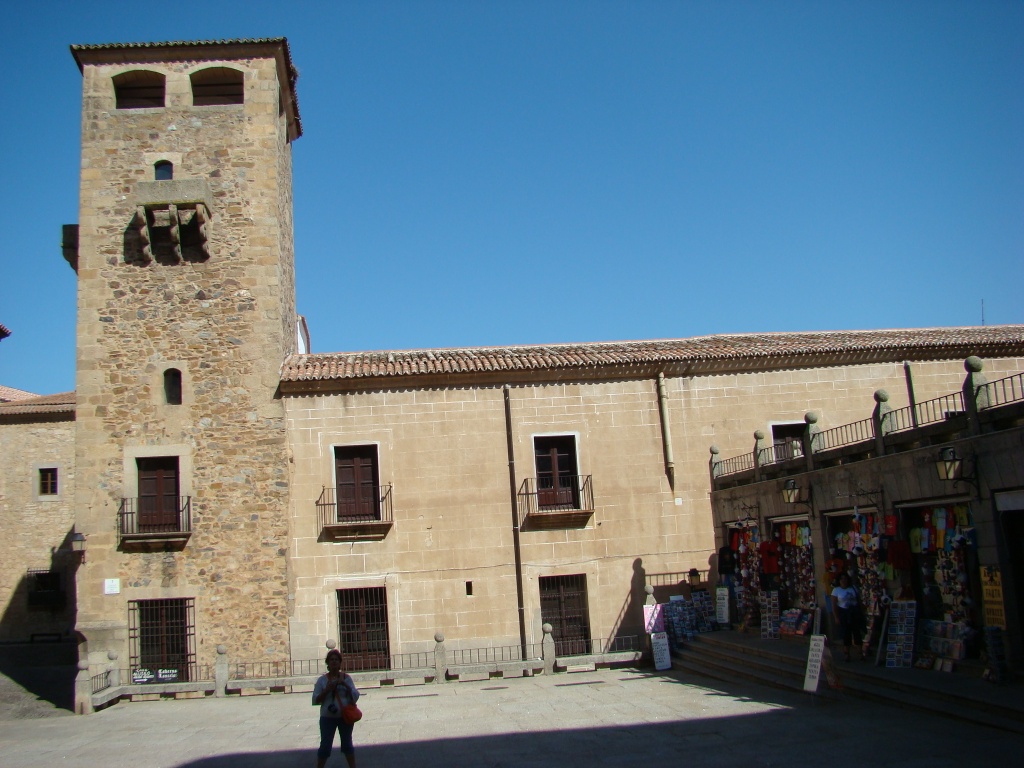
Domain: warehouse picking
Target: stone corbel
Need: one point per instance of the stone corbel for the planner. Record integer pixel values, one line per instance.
(145, 238)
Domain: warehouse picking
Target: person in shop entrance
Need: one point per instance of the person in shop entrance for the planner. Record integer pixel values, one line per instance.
(332, 693)
(846, 612)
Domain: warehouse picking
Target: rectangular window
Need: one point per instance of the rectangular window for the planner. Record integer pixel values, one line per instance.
(558, 482)
(159, 500)
(786, 440)
(358, 482)
(162, 640)
(45, 589)
(563, 605)
(363, 628)
(48, 481)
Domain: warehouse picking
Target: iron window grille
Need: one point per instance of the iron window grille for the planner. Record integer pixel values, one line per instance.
(162, 640)
(363, 628)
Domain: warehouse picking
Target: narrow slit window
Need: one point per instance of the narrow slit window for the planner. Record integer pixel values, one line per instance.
(172, 386)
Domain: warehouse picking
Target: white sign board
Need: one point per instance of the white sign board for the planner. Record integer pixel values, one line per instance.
(814, 653)
(722, 605)
(662, 655)
(111, 586)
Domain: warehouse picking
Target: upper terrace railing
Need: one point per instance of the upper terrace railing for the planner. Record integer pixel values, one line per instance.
(843, 435)
(922, 414)
(1003, 391)
(954, 409)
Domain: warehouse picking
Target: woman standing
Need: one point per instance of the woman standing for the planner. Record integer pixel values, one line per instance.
(331, 693)
(846, 613)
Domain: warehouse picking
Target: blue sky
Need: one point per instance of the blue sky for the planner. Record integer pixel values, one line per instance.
(494, 173)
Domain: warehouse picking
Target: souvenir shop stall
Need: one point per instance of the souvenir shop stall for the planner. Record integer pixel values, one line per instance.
(795, 580)
(743, 539)
(859, 540)
(943, 576)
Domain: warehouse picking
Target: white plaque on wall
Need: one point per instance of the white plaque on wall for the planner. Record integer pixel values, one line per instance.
(111, 586)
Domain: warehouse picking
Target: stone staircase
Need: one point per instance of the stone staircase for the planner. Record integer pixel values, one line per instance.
(743, 658)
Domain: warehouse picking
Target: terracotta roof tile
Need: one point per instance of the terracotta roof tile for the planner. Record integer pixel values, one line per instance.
(10, 393)
(63, 403)
(702, 353)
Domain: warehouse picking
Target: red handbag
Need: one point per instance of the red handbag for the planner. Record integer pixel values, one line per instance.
(350, 713)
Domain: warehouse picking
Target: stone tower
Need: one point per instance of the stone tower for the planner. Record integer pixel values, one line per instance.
(186, 309)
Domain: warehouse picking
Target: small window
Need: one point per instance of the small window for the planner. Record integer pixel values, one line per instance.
(172, 386)
(217, 85)
(139, 89)
(48, 481)
(163, 170)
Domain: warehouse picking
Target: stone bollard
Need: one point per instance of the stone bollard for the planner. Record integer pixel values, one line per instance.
(220, 673)
(113, 671)
(440, 658)
(83, 689)
(548, 647)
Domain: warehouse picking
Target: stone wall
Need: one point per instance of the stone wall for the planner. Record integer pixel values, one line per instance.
(445, 451)
(35, 527)
(225, 322)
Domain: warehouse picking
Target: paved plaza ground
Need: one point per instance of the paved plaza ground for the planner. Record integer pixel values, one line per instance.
(604, 718)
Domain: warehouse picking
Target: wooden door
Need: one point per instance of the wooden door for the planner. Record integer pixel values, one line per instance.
(356, 474)
(158, 494)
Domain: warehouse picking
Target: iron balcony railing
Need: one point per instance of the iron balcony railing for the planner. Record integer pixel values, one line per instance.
(774, 454)
(496, 654)
(542, 495)
(597, 646)
(845, 434)
(377, 510)
(929, 412)
(141, 517)
(269, 670)
(735, 464)
(1004, 391)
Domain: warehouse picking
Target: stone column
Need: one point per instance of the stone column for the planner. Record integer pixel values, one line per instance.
(440, 658)
(759, 446)
(975, 392)
(220, 673)
(881, 425)
(83, 689)
(807, 439)
(113, 670)
(548, 647)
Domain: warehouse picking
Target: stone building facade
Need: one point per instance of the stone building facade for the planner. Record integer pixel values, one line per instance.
(233, 490)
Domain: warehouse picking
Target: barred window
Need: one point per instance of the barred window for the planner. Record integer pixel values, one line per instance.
(162, 640)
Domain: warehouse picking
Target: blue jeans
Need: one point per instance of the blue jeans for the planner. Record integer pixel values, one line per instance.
(328, 725)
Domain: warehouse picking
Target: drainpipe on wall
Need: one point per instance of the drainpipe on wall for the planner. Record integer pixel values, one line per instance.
(666, 435)
(515, 516)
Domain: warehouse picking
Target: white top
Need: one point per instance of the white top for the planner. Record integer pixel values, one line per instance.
(846, 597)
(346, 693)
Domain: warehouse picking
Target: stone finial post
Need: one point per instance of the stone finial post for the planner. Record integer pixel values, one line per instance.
(713, 467)
(975, 392)
(83, 689)
(331, 644)
(880, 424)
(807, 438)
(113, 670)
(440, 658)
(220, 672)
(548, 647)
(759, 445)
(650, 595)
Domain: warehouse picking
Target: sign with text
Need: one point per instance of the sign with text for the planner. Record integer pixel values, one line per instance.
(722, 605)
(992, 597)
(814, 655)
(662, 654)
